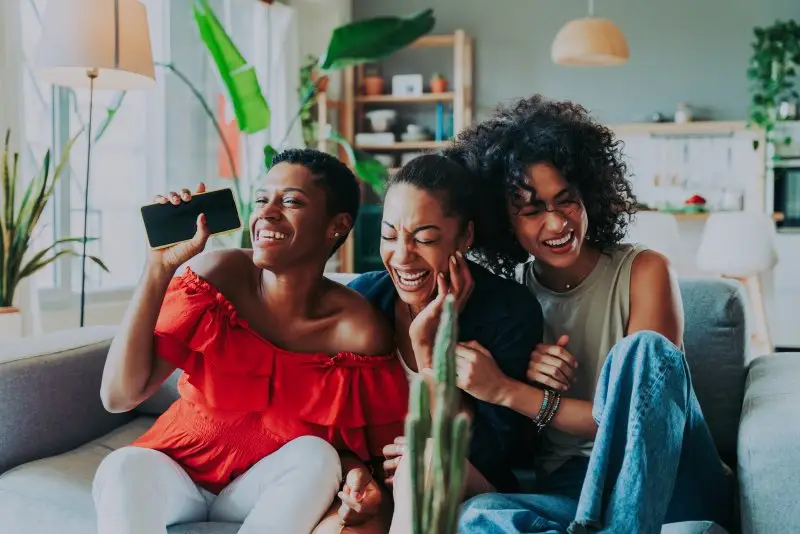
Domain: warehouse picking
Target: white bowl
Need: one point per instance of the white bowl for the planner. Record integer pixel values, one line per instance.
(381, 120)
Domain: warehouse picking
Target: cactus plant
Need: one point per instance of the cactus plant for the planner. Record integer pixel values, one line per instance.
(437, 484)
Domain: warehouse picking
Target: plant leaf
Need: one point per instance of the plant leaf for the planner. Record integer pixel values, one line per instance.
(111, 112)
(373, 39)
(372, 172)
(365, 166)
(240, 79)
(32, 268)
(269, 153)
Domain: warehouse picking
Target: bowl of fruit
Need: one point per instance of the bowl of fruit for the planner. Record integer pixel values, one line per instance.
(695, 204)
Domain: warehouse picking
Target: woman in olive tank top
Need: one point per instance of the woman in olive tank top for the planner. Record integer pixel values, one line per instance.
(625, 447)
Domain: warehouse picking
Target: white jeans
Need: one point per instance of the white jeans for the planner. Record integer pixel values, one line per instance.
(142, 491)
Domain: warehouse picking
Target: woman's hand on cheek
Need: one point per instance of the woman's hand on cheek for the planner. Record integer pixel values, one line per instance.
(477, 372)
(422, 331)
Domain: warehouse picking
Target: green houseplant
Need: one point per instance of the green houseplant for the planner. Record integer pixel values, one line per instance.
(352, 44)
(773, 73)
(20, 218)
(437, 485)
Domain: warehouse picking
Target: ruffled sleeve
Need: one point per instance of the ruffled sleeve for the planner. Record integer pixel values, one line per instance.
(195, 333)
(360, 402)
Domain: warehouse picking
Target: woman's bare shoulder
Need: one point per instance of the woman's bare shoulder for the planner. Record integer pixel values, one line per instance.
(360, 326)
(224, 269)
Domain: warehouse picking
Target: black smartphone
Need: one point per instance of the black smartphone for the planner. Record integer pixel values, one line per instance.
(167, 224)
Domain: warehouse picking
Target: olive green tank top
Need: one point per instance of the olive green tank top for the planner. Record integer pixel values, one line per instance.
(595, 316)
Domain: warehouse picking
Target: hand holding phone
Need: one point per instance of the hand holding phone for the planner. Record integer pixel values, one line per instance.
(173, 255)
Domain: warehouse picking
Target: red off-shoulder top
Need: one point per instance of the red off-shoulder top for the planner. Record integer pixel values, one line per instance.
(242, 398)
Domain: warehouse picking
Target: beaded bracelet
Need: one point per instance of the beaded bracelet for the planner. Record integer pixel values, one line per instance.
(542, 408)
(552, 408)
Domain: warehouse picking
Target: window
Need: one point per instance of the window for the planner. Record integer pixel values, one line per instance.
(158, 140)
(125, 168)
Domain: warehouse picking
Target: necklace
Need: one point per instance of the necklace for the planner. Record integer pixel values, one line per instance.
(411, 313)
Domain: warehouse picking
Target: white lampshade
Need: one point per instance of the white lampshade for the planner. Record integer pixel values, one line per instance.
(109, 37)
(657, 231)
(590, 42)
(738, 244)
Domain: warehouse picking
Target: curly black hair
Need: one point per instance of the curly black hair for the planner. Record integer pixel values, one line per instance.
(342, 192)
(561, 133)
(469, 198)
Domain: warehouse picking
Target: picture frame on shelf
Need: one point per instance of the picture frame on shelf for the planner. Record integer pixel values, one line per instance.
(407, 85)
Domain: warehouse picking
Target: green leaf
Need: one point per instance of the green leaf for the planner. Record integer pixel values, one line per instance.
(111, 112)
(240, 79)
(365, 166)
(373, 39)
(32, 268)
(372, 172)
(269, 153)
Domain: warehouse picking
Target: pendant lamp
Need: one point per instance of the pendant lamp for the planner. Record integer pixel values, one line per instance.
(590, 42)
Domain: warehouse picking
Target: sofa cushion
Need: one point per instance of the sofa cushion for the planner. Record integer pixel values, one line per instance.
(769, 445)
(55, 494)
(715, 342)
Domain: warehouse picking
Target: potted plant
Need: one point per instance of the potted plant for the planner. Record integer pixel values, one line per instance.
(19, 220)
(373, 82)
(438, 83)
(773, 74)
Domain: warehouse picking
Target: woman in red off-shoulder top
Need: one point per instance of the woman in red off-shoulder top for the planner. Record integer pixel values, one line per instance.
(289, 385)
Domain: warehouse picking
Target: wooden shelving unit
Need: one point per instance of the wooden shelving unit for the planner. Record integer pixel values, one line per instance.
(354, 104)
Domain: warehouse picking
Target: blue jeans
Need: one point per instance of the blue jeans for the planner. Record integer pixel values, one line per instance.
(653, 461)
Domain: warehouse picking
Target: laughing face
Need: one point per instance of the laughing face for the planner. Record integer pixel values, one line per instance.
(548, 217)
(290, 221)
(417, 240)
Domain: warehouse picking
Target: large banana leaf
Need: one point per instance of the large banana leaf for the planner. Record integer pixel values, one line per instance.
(373, 39)
(240, 79)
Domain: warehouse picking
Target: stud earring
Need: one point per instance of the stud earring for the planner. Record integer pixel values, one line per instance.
(336, 234)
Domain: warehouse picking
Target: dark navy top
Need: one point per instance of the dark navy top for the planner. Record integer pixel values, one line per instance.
(505, 318)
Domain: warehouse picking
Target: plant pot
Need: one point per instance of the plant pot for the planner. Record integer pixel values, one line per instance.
(438, 85)
(373, 85)
(11, 324)
(321, 83)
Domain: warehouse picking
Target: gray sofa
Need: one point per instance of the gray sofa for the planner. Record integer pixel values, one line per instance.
(54, 431)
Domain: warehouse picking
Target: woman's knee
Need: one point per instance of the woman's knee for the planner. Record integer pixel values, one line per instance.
(646, 347)
(128, 464)
(314, 455)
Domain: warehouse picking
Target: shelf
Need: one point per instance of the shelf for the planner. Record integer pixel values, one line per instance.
(419, 145)
(417, 99)
(777, 216)
(435, 41)
(689, 128)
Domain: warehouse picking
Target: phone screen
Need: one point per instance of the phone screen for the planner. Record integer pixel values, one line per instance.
(167, 224)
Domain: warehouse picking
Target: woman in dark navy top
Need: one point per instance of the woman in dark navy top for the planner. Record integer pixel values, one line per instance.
(436, 215)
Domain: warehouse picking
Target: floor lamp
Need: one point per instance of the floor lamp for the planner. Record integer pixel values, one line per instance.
(99, 45)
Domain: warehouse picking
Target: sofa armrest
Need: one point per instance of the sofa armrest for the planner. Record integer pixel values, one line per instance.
(769, 445)
(50, 394)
